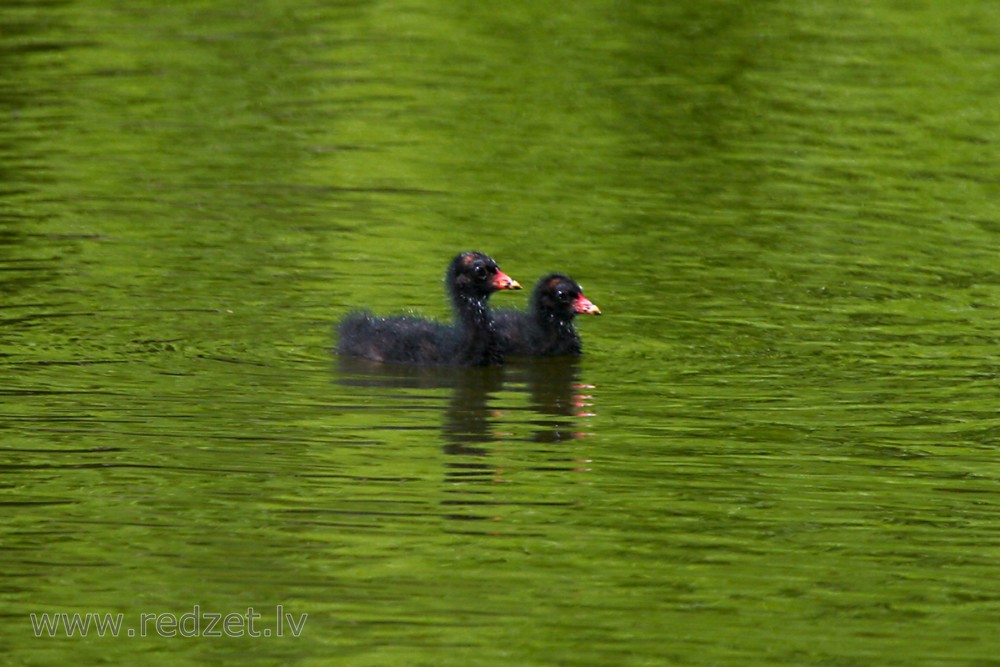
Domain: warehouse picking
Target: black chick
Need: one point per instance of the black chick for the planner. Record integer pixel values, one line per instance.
(546, 330)
(470, 341)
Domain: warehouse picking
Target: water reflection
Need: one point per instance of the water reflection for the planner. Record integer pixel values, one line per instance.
(485, 405)
(500, 426)
(556, 392)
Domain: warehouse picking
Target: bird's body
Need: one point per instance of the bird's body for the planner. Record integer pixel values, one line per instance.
(470, 341)
(546, 329)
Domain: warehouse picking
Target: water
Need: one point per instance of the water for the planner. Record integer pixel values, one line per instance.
(779, 447)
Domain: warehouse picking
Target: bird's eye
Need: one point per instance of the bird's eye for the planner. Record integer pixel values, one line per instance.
(562, 295)
(481, 271)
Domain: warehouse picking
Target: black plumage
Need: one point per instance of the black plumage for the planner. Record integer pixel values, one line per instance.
(470, 340)
(546, 329)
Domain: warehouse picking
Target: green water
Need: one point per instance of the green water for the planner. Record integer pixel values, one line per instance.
(779, 448)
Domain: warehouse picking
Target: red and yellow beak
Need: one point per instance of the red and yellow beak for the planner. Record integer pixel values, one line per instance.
(502, 281)
(585, 306)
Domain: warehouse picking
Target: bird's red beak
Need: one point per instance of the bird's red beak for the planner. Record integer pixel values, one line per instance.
(502, 281)
(585, 306)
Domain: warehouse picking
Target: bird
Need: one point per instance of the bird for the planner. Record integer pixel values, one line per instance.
(546, 329)
(471, 340)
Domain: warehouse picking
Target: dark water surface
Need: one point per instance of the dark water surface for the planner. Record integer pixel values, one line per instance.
(779, 448)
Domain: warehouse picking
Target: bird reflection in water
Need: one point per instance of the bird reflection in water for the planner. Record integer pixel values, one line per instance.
(485, 411)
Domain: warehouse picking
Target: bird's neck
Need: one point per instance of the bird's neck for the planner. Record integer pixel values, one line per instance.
(555, 334)
(551, 321)
(471, 310)
(478, 333)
